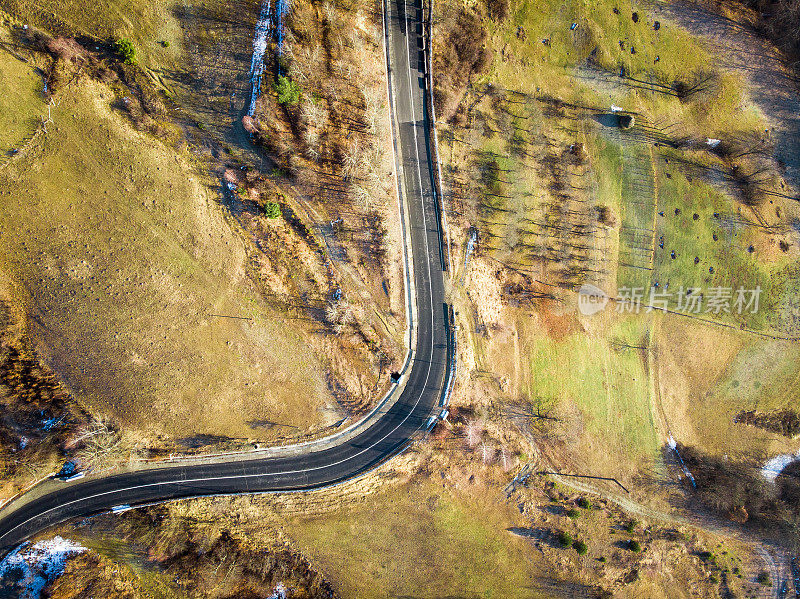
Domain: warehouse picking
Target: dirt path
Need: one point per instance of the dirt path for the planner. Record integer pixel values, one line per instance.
(773, 88)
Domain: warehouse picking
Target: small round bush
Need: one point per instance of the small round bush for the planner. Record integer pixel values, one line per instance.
(634, 546)
(580, 547)
(630, 526)
(763, 578)
(288, 91)
(125, 50)
(584, 503)
(573, 513)
(564, 539)
(272, 210)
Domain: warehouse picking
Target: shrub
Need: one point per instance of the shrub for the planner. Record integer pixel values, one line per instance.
(630, 526)
(763, 578)
(732, 487)
(564, 539)
(288, 91)
(272, 209)
(573, 513)
(584, 503)
(634, 546)
(580, 547)
(125, 50)
(498, 9)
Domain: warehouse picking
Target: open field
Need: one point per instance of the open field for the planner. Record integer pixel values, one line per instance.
(152, 26)
(706, 377)
(419, 541)
(23, 107)
(608, 385)
(128, 269)
(561, 195)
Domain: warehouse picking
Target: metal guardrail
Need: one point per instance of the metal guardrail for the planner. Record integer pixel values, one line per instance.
(434, 136)
(436, 170)
(26, 488)
(452, 357)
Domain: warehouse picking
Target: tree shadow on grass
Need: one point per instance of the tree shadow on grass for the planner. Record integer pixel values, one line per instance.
(202, 440)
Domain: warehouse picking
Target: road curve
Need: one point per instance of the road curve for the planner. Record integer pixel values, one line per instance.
(353, 455)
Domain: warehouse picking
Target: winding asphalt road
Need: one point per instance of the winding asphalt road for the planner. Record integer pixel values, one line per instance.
(325, 462)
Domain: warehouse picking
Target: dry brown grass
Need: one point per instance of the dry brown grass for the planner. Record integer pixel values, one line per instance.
(23, 105)
(126, 260)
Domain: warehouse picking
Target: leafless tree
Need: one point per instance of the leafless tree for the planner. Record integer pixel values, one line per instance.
(487, 453)
(473, 432)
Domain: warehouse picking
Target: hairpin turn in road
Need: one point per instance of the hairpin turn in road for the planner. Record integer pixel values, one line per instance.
(375, 439)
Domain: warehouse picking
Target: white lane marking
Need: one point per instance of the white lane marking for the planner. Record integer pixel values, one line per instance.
(288, 472)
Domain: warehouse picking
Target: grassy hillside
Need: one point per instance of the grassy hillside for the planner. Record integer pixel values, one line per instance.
(153, 26)
(128, 271)
(424, 544)
(23, 107)
(561, 195)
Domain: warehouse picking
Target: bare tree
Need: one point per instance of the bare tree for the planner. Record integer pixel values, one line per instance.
(487, 453)
(473, 432)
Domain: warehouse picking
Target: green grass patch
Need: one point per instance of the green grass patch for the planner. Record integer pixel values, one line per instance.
(21, 103)
(706, 245)
(609, 387)
(419, 541)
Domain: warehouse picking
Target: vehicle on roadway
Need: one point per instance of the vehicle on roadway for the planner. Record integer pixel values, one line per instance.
(360, 448)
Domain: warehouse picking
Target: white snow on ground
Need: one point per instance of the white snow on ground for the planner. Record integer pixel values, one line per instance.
(279, 592)
(259, 48)
(775, 466)
(674, 446)
(35, 566)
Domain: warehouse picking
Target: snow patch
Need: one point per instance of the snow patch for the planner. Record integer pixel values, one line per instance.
(30, 568)
(279, 592)
(775, 466)
(49, 423)
(259, 48)
(673, 445)
(281, 6)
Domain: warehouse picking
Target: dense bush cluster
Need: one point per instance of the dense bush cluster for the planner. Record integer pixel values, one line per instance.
(288, 91)
(784, 422)
(125, 50)
(463, 54)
